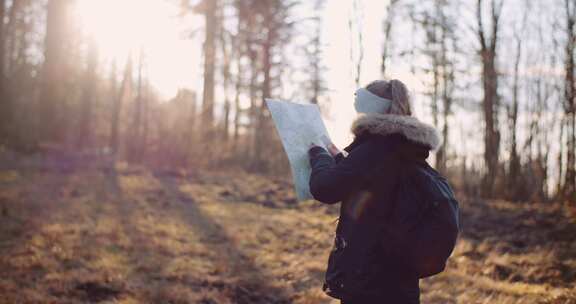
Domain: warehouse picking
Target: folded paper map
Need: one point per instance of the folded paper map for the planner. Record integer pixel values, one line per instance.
(299, 125)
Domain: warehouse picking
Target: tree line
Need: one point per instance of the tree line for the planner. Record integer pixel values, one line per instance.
(55, 95)
(512, 61)
(496, 77)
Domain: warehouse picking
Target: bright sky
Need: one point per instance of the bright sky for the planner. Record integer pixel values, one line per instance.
(174, 61)
(340, 76)
(123, 26)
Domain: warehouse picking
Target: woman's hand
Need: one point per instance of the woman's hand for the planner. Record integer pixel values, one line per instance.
(312, 146)
(333, 149)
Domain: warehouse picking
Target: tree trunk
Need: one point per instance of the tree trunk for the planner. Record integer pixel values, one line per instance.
(262, 130)
(355, 22)
(2, 40)
(490, 101)
(569, 190)
(210, 12)
(435, 110)
(226, 118)
(438, 34)
(237, 109)
(136, 128)
(253, 94)
(387, 37)
(4, 102)
(11, 36)
(143, 142)
(492, 133)
(315, 54)
(226, 82)
(448, 84)
(316, 65)
(560, 160)
(89, 91)
(192, 128)
(239, 54)
(514, 165)
(54, 74)
(570, 183)
(122, 94)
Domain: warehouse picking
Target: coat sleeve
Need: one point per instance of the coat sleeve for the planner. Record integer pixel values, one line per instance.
(331, 181)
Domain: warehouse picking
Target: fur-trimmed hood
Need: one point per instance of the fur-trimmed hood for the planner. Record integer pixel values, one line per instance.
(409, 126)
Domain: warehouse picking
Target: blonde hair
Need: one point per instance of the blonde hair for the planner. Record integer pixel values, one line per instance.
(394, 90)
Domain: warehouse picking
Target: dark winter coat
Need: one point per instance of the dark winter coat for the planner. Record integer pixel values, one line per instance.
(361, 264)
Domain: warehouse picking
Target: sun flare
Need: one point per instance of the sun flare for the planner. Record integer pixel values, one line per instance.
(121, 28)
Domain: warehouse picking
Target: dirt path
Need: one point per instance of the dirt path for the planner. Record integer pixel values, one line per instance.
(130, 236)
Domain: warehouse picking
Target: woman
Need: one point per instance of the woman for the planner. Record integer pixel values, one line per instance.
(363, 267)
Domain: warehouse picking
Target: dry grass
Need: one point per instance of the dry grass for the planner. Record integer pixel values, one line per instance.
(130, 236)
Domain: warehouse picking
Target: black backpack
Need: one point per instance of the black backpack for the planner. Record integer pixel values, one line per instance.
(424, 223)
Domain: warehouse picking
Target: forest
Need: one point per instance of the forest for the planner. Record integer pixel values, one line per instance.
(140, 164)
